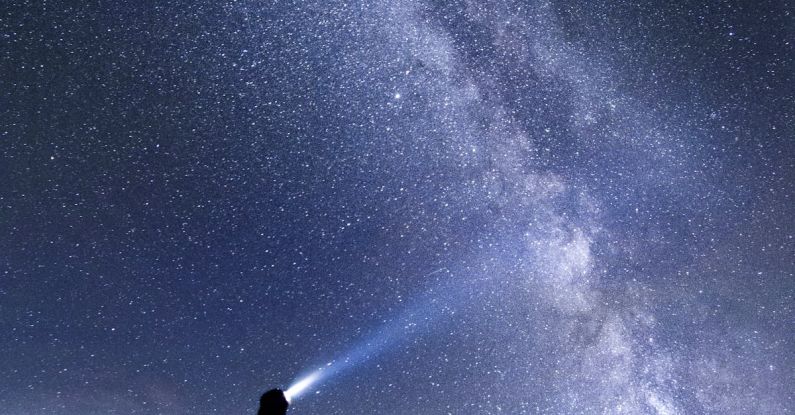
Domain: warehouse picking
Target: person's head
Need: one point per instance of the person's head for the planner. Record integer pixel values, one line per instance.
(273, 402)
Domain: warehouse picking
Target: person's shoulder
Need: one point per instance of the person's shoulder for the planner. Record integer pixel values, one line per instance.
(273, 402)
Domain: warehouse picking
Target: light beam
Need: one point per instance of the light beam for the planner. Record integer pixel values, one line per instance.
(411, 322)
(301, 386)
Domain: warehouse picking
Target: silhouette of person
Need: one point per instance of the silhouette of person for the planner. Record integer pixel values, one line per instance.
(273, 402)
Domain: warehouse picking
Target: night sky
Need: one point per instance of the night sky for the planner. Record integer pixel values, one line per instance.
(454, 207)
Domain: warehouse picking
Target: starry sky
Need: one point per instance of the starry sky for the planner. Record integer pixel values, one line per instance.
(479, 207)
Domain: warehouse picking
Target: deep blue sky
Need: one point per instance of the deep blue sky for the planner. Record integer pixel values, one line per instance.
(552, 207)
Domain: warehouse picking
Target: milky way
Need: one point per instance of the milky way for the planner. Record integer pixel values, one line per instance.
(464, 207)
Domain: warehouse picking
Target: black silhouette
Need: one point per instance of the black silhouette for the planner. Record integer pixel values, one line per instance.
(273, 402)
